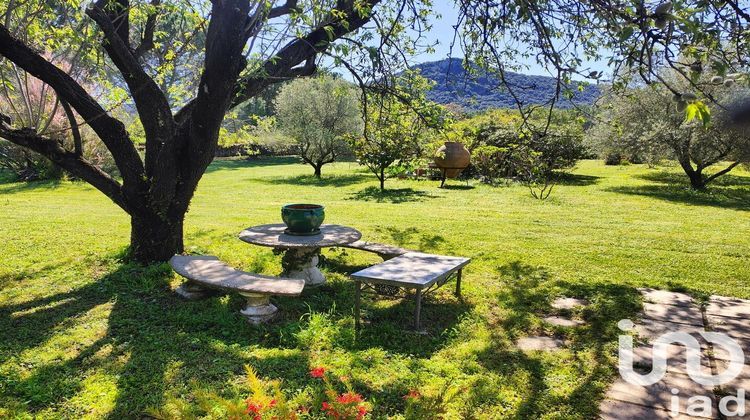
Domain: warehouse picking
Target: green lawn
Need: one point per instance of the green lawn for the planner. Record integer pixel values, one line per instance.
(82, 334)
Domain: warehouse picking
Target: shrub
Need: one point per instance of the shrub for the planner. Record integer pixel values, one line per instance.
(329, 396)
(613, 158)
(488, 163)
(502, 146)
(26, 165)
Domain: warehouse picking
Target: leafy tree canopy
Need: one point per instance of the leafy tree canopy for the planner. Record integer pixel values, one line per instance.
(319, 113)
(648, 124)
(397, 125)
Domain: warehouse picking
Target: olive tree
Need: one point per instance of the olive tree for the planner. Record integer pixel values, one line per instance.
(650, 119)
(319, 114)
(243, 47)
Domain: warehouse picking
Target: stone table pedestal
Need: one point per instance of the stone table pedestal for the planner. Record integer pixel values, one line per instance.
(300, 253)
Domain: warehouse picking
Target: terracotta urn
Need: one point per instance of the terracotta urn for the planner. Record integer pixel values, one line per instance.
(452, 158)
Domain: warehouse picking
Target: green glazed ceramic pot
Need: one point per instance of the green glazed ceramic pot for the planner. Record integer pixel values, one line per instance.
(303, 218)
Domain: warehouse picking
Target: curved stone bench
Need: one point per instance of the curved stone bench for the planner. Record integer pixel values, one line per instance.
(386, 252)
(205, 273)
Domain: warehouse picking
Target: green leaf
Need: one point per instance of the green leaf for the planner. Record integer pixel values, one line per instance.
(626, 32)
(691, 111)
(698, 110)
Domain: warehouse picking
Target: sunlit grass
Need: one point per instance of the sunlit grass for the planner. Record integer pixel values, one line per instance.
(81, 334)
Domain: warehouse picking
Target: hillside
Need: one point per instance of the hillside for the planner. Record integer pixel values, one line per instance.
(483, 91)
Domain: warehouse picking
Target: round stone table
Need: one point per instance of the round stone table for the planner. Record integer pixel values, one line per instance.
(300, 259)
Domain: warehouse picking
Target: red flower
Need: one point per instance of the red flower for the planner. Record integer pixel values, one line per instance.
(253, 407)
(272, 404)
(317, 372)
(412, 394)
(361, 412)
(349, 398)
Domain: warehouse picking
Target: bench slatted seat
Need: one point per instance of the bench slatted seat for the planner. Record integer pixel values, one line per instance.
(206, 272)
(386, 252)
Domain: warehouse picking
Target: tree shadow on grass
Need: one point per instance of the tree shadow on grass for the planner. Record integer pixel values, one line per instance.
(457, 187)
(129, 331)
(386, 320)
(150, 337)
(728, 191)
(679, 178)
(589, 349)
(21, 186)
(324, 181)
(575, 180)
(393, 196)
(221, 164)
(737, 198)
(411, 237)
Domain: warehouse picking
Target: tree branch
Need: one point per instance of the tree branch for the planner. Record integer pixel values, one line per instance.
(262, 13)
(118, 13)
(283, 65)
(285, 9)
(722, 172)
(152, 105)
(111, 131)
(77, 141)
(147, 40)
(70, 161)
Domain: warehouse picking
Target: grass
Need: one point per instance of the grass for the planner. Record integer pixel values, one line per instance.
(84, 335)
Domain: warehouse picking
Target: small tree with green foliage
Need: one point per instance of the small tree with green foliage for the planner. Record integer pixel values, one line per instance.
(397, 126)
(319, 114)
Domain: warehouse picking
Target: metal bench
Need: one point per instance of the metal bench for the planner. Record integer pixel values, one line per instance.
(385, 252)
(206, 273)
(414, 270)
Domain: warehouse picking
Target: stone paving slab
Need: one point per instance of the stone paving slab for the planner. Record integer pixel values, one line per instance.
(682, 314)
(650, 329)
(677, 357)
(728, 307)
(736, 328)
(620, 410)
(665, 297)
(559, 321)
(659, 395)
(539, 343)
(676, 312)
(568, 303)
(731, 388)
(719, 353)
(742, 381)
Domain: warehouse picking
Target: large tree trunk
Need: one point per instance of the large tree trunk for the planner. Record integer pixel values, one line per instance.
(155, 239)
(697, 182)
(318, 168)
